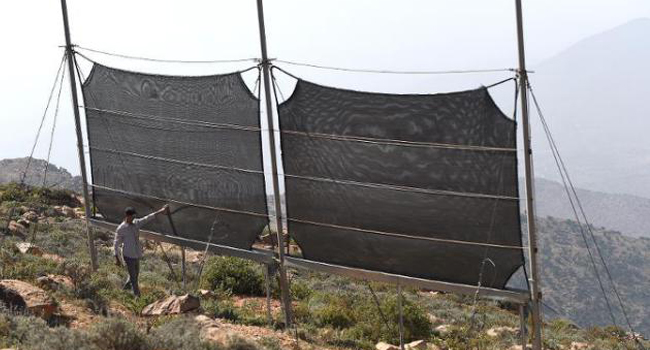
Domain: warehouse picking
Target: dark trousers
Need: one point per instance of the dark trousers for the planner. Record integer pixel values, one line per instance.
(133, 267)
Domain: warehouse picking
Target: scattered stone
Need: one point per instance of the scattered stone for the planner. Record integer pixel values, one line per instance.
(206, 294)
(17, 229)
(498, 331)
(416, 345)
(172, 305)
(30, 216)
(24, 222)
(79, 212)
(443, 329)
(385, 346)
(23, 295)
(434, 319)
(56, 258)
(29, 248)
(54, 282)
(518, 347)
(193, 257)
(578, 346)
(210, 329)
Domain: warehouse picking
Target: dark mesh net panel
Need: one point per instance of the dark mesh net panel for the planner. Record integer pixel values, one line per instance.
(193, 142)
(419, 185)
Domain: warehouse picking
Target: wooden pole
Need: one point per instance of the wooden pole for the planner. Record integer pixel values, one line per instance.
(534, 279)
(77, 121)
(284, 283)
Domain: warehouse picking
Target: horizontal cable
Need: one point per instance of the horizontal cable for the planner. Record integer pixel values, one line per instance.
(400, 235)
(382, 71)
(176, 161)
(397, 142)
(403, 188)
(176, 120)
(236, 60)
(129, 193)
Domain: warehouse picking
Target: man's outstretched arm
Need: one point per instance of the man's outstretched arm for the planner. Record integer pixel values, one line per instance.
(143, 221)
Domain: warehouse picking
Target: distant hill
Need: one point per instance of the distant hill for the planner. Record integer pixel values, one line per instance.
(594, 96)
(11, 170)
(621, 212)
(570, 286)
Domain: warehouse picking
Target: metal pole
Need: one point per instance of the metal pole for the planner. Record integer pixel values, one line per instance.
(522, 321)
(267, 278)
(77, 122)
(534, 280)
(284, 284)
(401, 316)
(183, 275)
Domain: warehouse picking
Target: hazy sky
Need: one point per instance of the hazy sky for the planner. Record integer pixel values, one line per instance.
(400, 35)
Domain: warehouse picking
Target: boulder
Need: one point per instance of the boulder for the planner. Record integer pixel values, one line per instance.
(172, 305)
(54, 282)
(22, 295)
(385, 346)
(29, 248)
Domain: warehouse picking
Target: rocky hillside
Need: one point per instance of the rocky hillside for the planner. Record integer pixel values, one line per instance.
(570, 286)
(57, 304)
(11, 170)
(621, 212)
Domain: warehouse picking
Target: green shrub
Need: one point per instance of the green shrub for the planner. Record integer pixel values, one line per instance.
(181, 333)
(14, 192)
(336, 311)
(300, 290)
(220, 309)
(14, 265)
(236, 275)
(117, 334)
(359, 319)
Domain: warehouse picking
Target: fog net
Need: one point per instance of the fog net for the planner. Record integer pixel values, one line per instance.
(192, 142)
(419, 185)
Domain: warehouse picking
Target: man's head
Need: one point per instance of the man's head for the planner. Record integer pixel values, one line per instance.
(129, 215)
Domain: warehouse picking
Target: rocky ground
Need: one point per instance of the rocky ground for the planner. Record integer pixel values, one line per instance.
(51, 300)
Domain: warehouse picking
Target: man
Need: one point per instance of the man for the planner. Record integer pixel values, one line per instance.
(128, 235)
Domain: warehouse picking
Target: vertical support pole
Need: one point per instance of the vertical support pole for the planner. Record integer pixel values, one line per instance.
(401, 315)
(267, 277)
(284, 284)
(534, 280)
(522, 321)
(183, 274)
(77, 122)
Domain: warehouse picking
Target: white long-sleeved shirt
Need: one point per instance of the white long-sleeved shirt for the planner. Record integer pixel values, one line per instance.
(129, 236)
